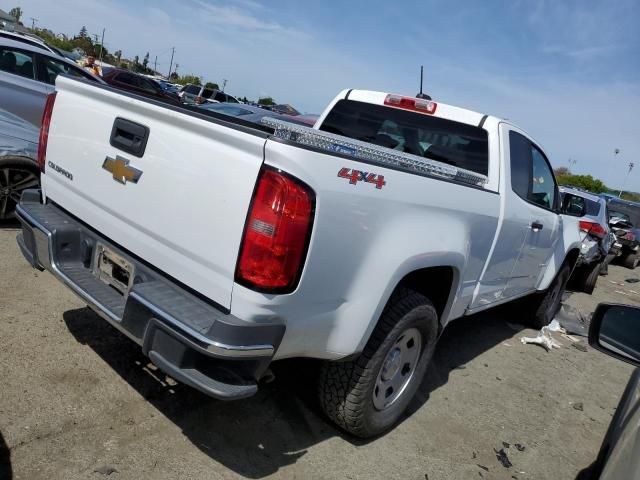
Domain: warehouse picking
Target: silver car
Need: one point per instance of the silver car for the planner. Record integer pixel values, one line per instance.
(28, 74)
(18, 166)
(598, 237)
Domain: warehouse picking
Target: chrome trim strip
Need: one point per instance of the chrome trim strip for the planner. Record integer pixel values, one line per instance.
(212, 346)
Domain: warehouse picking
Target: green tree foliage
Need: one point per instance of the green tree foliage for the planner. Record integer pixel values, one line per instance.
(266, 101)
(83, 32)
(585, 182)
(145, 61)
(183, 80)
(16, 12)
(212, 86)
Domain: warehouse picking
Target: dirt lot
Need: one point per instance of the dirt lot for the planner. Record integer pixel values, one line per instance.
(78, 400)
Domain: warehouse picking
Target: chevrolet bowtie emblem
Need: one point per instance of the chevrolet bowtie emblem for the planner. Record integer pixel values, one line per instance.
(121, 170)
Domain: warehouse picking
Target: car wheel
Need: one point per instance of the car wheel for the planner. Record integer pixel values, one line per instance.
(631, 260)
(545, 305)
(16, 175)
(367, 395)
(588, 277)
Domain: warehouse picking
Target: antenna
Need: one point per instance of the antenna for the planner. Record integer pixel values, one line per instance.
(420, 94)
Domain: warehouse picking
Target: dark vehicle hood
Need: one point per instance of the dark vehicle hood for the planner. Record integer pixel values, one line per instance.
(17, 136)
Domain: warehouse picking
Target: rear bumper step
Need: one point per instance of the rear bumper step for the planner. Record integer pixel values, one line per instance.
(186, 337)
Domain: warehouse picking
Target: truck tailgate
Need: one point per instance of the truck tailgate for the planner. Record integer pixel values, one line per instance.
(185, 214)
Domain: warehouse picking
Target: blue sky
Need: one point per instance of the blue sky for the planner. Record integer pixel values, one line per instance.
(568, 72)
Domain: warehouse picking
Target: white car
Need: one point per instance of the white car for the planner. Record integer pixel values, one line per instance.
(220, 246)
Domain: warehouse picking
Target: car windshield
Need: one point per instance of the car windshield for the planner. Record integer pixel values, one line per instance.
(455, 143)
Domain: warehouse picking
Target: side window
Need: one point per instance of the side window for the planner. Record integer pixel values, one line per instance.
(543, 187)
(125, 77)
(17, 62)
(520, 153)
(145, 85)
(49, 68)
(221, 97)
(192, 89)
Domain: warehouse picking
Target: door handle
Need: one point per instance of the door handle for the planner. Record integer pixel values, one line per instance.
(536, 226)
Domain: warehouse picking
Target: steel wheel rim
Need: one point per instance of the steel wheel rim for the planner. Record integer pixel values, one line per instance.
(397, 369)
(13, 181)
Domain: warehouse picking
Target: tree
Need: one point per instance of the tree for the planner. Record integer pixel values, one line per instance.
(83, 32)
(188, 79)
(173, 77)
(561, 171)
(145, 61)
(266, 101)
(585, 182)
(212, 86)
(16, 13)
(118, 55)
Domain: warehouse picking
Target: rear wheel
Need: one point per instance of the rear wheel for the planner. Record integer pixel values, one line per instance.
(366, 396)
(545, 305)
(631, 260)
(16, 175)
(587, 277)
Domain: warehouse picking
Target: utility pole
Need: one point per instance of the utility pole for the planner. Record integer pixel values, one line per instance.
(101, 44)
(224, 83)
(631, 165)
(173, 50)
(33, 23)
(155, 64)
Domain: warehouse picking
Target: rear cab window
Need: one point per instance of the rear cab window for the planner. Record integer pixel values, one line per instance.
(49, 68)
(454, 143)
(17, 62)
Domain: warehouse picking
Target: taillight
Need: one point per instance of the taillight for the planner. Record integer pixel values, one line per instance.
(198, 99)
(410, 103)
(629, 236)
(276, 233)
(592, 228)
(44, 130)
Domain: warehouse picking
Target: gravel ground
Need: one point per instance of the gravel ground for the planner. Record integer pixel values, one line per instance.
(78, 400)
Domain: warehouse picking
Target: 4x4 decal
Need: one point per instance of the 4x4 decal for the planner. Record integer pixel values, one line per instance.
(356, 176)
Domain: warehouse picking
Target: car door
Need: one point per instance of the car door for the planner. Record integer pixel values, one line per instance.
(20, 92)
(534, 202)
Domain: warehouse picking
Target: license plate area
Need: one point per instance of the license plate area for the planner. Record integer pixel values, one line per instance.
(113, 269)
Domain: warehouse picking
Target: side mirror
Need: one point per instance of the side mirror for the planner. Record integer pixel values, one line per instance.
(572, 205)
(615, 330)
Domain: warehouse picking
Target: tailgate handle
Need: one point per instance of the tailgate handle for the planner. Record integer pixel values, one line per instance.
(129, 136)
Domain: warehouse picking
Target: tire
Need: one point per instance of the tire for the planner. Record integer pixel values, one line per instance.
(604, 269)
(589, 277)
(350, 392)
(16, 175)
(631, 260)
(545, 305)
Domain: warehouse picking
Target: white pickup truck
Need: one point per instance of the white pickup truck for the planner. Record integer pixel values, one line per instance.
(220, 246)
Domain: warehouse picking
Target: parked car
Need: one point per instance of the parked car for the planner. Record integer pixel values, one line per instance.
(139, 84)
(32, 41)
(615, 330)
(339, 243)
(249, 113)
(624, 220)
(598, 238)
(28, 75)
(197, 94)
(169, 87)
(18, 166)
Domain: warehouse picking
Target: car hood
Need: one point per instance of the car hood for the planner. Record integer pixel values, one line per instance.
(17, 136)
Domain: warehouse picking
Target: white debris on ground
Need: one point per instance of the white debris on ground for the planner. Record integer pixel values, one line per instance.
(544, 338)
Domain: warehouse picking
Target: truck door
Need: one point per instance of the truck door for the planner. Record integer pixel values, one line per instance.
(534, 199)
